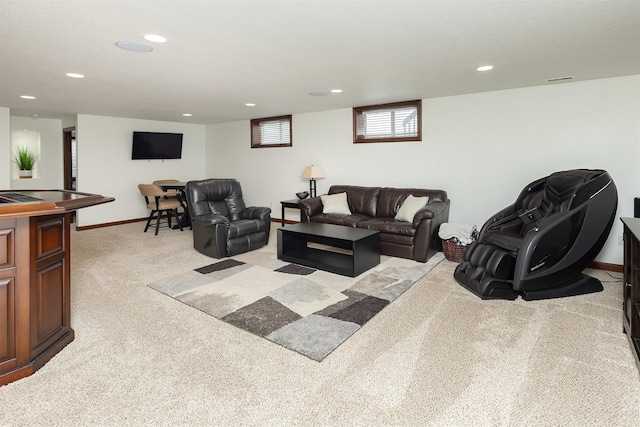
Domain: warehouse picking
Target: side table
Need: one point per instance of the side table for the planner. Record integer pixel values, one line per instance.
(292, 204)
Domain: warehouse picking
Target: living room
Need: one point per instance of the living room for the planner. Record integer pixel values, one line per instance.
(594, 123)
(138, 355)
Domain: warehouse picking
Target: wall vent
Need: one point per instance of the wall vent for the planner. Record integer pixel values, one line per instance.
(559, 79)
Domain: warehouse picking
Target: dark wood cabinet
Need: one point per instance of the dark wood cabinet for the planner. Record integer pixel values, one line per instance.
(34, 293)
(35, 303)
(631, 290)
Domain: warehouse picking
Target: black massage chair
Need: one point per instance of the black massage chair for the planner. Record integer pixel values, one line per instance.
(537, 247)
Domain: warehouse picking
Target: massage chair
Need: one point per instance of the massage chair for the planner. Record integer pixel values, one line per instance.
(538, 247)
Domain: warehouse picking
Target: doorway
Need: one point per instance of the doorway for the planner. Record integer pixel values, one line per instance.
(70, 162)
(70, 158)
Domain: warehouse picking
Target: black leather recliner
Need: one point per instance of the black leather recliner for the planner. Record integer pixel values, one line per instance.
(537, 247)
(222, 225)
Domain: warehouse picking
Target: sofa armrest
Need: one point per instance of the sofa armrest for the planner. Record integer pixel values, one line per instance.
(310, 207)
(254, 212)
(432, 210)
(427, 222)
(210, 234)
(211, 220)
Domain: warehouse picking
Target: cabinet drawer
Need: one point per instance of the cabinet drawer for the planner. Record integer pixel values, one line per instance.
(50, 236)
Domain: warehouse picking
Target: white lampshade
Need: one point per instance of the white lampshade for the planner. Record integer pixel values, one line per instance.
(312, 172)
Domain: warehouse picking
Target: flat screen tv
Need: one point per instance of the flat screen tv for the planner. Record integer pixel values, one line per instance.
(156, 145)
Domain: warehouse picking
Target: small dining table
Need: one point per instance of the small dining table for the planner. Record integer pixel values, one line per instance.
(185, 219)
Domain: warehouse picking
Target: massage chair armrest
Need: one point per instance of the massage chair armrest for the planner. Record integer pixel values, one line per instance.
(310, 207)
(549, 232)
(500, 219)
(254, 212)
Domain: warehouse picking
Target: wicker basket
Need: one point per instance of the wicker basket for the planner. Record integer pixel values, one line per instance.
(453, 251)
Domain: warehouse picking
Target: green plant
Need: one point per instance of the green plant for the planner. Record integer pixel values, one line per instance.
(25, 158)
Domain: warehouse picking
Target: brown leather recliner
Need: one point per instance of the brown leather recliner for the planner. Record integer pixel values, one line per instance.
(222, 225)
(374, 208)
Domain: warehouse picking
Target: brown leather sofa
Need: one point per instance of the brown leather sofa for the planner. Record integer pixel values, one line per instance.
(374, 208)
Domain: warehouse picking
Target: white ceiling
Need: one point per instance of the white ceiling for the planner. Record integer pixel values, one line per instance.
(222, 54)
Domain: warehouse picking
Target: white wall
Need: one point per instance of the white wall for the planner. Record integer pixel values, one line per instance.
(49, 172)
(105, 166)
(482, 148)
(5, 149)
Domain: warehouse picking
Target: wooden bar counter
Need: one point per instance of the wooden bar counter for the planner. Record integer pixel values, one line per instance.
(34, 276)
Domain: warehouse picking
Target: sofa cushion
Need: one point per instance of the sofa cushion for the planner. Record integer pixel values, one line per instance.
(388, 225)
(399, 239)
(338, 219)
(335, 204)
(410, 206)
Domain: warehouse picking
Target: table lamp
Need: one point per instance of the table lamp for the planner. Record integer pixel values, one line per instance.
(312, 173)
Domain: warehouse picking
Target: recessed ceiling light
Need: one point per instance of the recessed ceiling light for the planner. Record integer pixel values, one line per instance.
(27, 97)
(336, 90)
(155, 38)
(319, 93)
(485, 68)
(250, 105)
(75, 75)
(133, 46)
(187, 114)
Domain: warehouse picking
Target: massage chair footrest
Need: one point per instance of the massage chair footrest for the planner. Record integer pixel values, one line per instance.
(579, 285)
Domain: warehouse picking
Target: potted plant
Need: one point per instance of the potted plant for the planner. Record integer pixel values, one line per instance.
(25, 159)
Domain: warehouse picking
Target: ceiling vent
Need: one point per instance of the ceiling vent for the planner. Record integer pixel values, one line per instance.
(559, 79)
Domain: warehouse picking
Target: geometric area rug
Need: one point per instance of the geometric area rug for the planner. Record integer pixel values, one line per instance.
(303, 309)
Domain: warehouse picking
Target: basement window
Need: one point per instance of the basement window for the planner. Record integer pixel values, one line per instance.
(271, 132)
(396, 122)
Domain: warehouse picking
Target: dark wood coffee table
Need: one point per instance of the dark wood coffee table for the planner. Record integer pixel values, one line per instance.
(335, 248)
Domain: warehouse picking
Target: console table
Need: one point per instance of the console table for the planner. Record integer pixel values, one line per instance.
(35, 276)
(631, 292)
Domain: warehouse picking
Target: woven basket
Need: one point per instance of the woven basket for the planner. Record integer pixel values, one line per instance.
(452, 251)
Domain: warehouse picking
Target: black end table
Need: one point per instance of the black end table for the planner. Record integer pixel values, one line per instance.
(292, 204)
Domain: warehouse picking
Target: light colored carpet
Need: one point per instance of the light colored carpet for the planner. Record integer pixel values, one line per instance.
(306, 310)
(437, 356)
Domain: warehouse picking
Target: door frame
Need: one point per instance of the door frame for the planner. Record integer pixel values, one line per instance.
(67, 156)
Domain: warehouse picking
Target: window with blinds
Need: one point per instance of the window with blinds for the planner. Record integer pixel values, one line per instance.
(397, 122)
(271, 132)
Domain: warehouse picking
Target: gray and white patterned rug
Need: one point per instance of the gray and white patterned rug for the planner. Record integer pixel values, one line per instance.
(303, 309)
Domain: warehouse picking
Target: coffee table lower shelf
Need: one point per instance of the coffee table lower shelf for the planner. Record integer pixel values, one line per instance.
(354, 251)
(332, 262)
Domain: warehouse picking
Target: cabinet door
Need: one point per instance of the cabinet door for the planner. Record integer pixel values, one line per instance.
(49, 282)
(7, 295)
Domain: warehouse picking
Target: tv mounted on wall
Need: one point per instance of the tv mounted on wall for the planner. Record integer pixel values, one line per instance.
(156, 145)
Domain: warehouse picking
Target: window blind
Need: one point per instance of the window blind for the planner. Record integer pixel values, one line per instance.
(271, 132)
(275, 132)
(389, 122)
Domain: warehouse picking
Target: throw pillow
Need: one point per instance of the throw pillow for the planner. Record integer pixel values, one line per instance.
(335, 204)
(410, 206)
